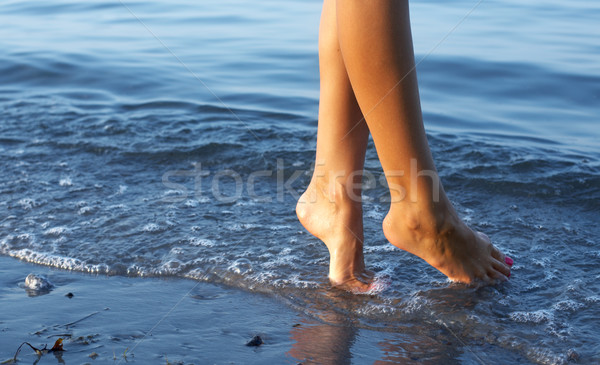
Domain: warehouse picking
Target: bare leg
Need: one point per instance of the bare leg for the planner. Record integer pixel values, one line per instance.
(331, 208)
(376, 45)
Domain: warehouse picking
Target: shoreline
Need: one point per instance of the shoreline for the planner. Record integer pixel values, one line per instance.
(117, 320)
(151, 320)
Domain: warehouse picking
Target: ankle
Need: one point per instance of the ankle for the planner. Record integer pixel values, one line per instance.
(420, 220)
(338, 192)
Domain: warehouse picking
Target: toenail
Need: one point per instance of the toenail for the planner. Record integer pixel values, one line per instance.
(508, 261)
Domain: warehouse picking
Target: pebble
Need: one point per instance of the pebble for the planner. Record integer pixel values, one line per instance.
(37, 282)
(255, 341)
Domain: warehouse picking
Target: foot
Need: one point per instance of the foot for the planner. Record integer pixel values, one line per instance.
(446, 243)
(329, 214)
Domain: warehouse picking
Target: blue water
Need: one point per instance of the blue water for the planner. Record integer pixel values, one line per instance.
(127, 128)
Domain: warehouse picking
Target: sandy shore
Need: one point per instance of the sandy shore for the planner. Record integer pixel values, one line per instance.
(149, 320)
(120, 320)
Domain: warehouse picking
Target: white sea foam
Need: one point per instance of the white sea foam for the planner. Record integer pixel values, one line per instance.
(545, 356)
(197, 241)
(380, 248)
(27, 203)
(241, 266)
(237, 227)
(279, 227)
(543, 262)
(171, 192)
(264, 276)
(65, 181)
(374, 214)
(62, 262)
(116, 206)
(202, 199)
(536, 317)
(85, 210)
(23, 237)
(379, 285)
(191, 203)
(568, 305)
(293, 280)
(414, 304)
(170, 267)
(57, 231)
(467, 214)
(377, 309)
(152, 228)
(176, 251)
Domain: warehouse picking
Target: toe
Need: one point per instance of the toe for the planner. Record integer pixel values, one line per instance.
(501, 268)
(496, 254)
(497, 278)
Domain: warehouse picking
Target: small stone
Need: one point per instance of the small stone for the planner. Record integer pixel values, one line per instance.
(297, 325)
(255, 341)
(93, 355)
(69, 295)
(37, 282)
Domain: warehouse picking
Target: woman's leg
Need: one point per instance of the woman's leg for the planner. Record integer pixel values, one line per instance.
(331, 208)
(376, 45)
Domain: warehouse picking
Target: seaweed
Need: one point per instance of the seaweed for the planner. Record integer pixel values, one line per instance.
(56, 348)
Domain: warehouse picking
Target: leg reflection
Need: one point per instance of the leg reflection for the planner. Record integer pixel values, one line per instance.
(323, 343)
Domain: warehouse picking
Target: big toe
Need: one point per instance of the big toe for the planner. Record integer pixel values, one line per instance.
(496, 253)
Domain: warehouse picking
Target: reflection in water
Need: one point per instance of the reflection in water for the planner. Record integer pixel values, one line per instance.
(323, 343)
(417, 349)
(58, 355)
(333, 338)
(332, 343)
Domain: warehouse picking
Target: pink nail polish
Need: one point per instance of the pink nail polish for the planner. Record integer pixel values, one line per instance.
(508, 261)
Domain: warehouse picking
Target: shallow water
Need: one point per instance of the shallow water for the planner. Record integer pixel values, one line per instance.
(155, 139)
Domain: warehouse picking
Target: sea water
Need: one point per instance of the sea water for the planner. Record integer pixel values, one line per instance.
(149, 138)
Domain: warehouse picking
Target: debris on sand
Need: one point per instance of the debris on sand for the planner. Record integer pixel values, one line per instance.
(255, 341)
(58, 347)
(37, 282)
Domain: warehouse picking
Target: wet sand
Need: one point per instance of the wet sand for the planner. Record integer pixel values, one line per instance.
(150, 320)
(177, 321)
